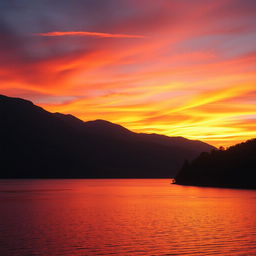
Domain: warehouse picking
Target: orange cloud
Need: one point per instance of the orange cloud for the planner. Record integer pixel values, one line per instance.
(194, 75)
(87, 33)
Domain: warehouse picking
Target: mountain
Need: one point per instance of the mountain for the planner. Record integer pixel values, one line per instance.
(35, 143)
(234, 168)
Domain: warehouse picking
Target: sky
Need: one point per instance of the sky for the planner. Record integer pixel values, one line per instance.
(174, 67)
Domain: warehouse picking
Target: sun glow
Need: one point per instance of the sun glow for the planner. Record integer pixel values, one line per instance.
(152, 71)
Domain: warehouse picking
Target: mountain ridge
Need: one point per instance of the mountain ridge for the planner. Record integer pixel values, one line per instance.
(37, 143)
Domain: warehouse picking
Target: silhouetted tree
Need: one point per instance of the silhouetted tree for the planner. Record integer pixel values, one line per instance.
(233, 167)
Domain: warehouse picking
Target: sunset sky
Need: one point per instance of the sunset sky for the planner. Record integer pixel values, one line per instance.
(174, 67)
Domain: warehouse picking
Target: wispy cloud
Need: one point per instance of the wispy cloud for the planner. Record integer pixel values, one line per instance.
(179, 68)
(88, 33)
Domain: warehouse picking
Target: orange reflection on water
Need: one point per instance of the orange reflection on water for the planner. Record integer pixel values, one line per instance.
(125, 217)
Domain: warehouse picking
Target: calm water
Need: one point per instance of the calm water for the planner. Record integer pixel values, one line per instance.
(124, 217)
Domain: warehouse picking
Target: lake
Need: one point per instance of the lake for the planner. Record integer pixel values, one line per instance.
(124, 217)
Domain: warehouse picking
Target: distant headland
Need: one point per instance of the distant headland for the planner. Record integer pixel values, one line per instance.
(231, 168)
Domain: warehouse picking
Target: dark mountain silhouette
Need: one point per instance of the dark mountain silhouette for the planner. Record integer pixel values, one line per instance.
(36, 143)
(234, 168)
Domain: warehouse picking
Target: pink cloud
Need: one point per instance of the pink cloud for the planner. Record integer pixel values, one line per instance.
(87, 33)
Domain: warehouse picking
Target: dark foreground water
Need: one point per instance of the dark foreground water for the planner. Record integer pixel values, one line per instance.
(124, 217)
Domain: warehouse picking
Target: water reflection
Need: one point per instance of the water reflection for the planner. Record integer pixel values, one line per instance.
(124, 217)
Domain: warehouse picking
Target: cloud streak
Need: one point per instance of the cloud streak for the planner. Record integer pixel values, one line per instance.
(192, 74)
(89, 34)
